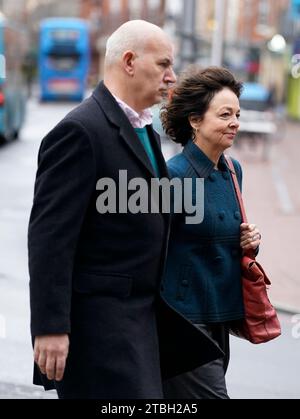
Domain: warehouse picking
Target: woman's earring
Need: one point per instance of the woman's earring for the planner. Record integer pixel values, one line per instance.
(195, 132)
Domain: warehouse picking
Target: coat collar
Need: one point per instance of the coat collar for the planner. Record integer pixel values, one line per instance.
(118, 118)
(200, 162)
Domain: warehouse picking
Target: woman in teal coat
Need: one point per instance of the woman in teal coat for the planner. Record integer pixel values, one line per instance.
(203, 276)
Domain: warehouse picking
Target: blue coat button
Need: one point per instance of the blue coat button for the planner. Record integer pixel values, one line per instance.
(212, 177)
(185, 283)
(226, 176)
(222, 215)
(237, 215)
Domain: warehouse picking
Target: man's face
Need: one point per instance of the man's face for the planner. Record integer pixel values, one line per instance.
(153, 72)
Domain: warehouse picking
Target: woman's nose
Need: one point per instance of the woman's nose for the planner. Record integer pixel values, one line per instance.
(235, 123)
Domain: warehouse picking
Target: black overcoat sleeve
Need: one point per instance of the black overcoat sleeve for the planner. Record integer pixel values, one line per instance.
(64, 185)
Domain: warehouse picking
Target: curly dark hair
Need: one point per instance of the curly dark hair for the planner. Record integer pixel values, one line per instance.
(192, 97)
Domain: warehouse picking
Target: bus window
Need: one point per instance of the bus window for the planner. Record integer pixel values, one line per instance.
(64, 57)
(65, 63)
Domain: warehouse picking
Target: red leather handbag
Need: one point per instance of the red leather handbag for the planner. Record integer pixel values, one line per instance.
(261, 323)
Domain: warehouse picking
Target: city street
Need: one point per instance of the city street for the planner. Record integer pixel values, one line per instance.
(273, 201)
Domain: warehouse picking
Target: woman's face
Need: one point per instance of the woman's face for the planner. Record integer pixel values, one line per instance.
(220, 123)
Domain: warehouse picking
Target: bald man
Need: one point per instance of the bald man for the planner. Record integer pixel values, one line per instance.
(100, 329)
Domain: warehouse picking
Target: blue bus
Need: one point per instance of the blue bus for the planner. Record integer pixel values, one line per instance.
(12, 88)
(64, 58)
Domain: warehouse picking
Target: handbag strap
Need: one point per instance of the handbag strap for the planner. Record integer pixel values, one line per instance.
(237, 189)
(250, 253)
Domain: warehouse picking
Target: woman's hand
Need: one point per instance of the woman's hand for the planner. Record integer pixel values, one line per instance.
(250, 237)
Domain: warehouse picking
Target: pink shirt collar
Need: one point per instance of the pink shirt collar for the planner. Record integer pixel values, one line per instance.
(137, 120)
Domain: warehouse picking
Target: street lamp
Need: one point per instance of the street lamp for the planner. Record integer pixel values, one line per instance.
(277, 44)
(187, 33)
(218, 35)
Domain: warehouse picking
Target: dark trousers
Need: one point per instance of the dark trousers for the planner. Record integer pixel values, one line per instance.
(207, 381)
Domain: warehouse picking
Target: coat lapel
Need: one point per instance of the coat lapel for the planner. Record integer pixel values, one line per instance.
(117, 117)
(155, 142)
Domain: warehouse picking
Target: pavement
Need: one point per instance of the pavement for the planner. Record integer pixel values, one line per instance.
(14, 391)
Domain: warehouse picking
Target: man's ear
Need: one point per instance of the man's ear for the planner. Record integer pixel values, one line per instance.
(128, 62)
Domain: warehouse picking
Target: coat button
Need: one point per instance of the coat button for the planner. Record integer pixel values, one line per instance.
(222, 215)
(185, 283)
(237, 215)
(212, 177)
(226, 176)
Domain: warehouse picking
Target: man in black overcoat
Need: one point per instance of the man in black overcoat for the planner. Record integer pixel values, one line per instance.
(99, 327)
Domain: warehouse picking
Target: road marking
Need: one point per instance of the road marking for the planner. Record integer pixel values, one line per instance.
(296, 328)
(285, 200)
(2, 327)
(280, 163)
